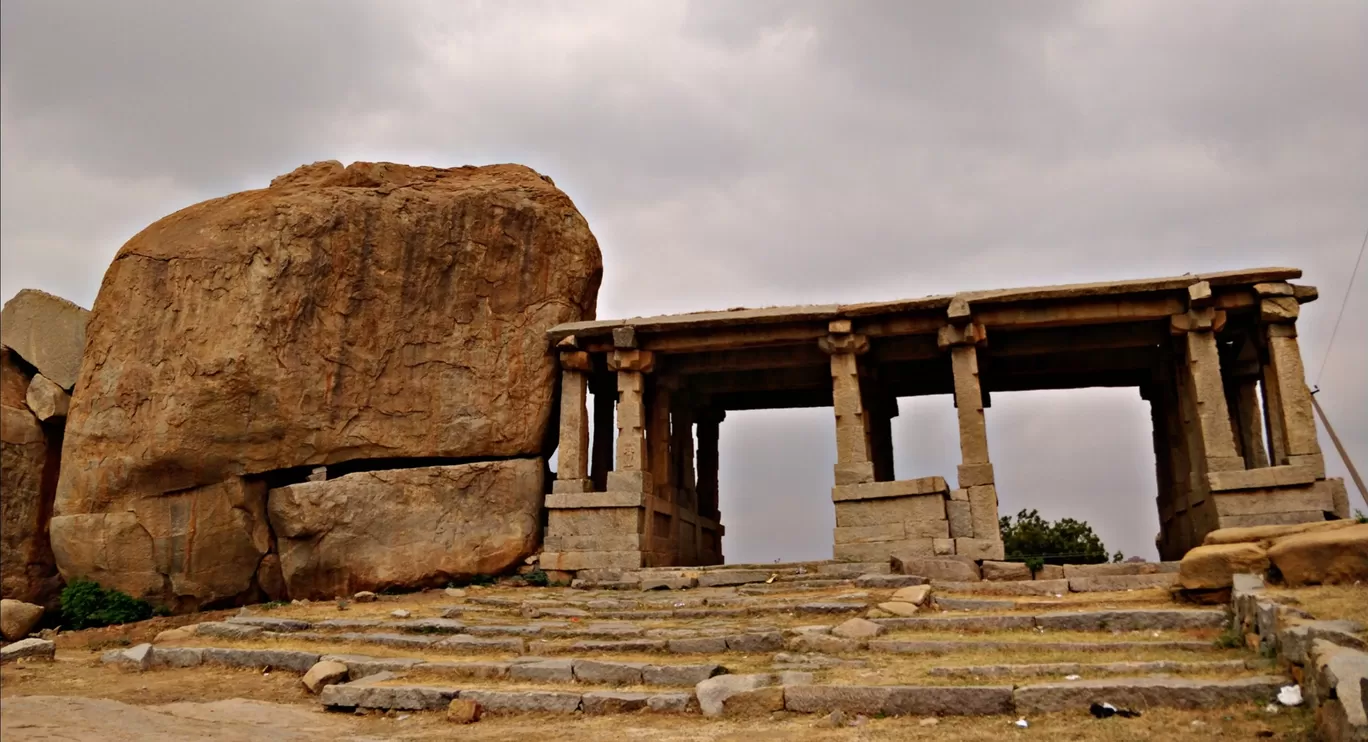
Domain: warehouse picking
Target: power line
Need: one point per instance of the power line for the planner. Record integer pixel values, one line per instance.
(1352, 275)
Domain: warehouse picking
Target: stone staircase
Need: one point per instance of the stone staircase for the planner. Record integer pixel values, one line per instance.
(808, 638)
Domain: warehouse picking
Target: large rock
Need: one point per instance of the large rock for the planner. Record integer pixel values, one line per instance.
(18, 618)
(47, 331)
(1214, 567)
(357, 318)
(412, 527)
(1323, 557)
(1268, 534)
(956, 569)
(29, 454)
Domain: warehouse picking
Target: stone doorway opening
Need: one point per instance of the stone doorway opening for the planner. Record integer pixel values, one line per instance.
(1083, 453)
(774, 488)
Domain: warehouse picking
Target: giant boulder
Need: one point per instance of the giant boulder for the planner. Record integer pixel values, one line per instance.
(48, 332)
(29, 454)
(360, 317)
(421, 527)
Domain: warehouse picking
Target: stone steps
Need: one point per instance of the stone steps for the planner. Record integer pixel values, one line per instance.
(883, 700)
(1063, 669)
(937, 646)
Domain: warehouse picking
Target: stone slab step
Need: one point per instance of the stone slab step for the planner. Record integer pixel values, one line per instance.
(435, 698)
(1136, 619)
(1094, 668)
(1023, 587)
(901, 646)
(1146, 693)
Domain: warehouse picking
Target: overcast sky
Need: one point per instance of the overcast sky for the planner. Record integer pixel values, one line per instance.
(753, 153)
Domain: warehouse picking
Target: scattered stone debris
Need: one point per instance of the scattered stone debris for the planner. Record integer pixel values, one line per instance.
(365, 596)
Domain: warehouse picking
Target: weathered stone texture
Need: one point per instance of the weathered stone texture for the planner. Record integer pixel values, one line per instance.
(1326, 557)
(47, 331)
(411, 527)
(376, 311)
(29, 454)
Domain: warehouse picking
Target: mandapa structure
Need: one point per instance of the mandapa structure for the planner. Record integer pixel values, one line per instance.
(1215, 355)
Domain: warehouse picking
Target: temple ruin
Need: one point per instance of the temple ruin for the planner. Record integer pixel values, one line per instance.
(1215, 355)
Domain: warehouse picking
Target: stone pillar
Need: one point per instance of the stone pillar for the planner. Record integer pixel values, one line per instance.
(976, 480)
(605, 400)
(853, 462)
(1292, 424)
(631, 473)
(682, 453)
(709, 428)
(658, 441)
(1198, 328)
(572, 455)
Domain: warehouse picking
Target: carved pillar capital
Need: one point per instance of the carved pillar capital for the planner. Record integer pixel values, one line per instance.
(641, 361)
(951, 336)
(1204, 319)
(576, 360)
(843, 342)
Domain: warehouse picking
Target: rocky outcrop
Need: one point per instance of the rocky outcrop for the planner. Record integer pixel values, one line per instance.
(47, 331)
(419, 527)
(1334, 557)
(1327, 552)
(361, 318)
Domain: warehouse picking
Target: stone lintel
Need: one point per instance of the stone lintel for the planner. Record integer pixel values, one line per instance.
(972, 333)
(609, 499)
(900, 488)
(641, 361)
(1278, 288)
(1266, 478)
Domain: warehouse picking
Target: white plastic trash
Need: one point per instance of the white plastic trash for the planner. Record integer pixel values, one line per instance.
(1290, 695)
(1023, 723)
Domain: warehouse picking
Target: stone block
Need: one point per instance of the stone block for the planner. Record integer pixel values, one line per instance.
(974, 475)
(1122, 582)
(571, 487)
(681, 675)
(598, 542)
(463, 711)
(848, 699)
(858, 628)
(28, 648)
(18, 618)
(570, 561)
(959, 514)
(479, 645)
(1005, 571)
(619, 673)
(869, 534)
(1116, 570)
(280, 659)
(323, 674)
(629, 481)
(700, 645)
(1049, 572)
(878, 582)
(979, 548)
(1241, 522)
(1283, 500)
(960, 495)
(1029, 587)
(1214, 567)
(598, 703)
(673, 703)
(898, 608)
(905, 510)
(611, 499)
(854, 473)
(48, 332)
(177, 657)
(47, 400)
(931, 700)
(1315, 462)
(812, 642)
(1151, 692)
(1339, 497)
(943, 546)
(761, 641)
(594, 521)
(1324, 557)
(727, 577)
(937, 568)
(1266, 478)
(883, 550)
(227, 630)
(555, 702)
(713, 693)
(916, 595)
(899, 488)
(983, 510)
(547, 671)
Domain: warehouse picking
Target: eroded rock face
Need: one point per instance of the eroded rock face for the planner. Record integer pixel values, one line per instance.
(348, 314)
(414, 527)
(48, 332)
(28, 480)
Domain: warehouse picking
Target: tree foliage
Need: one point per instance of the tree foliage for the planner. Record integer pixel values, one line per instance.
(1066, 541)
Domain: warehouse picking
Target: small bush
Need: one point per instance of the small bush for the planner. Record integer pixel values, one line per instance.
(1360, 516)
(1035, 564)
(1231, 638)
(86, 605)
(537, 577)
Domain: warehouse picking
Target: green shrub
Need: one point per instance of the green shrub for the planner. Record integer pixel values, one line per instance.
(537, 577)
(1231, 638)
(86, 605)
(1066, 541)
(1360, 517)
(1035, 564)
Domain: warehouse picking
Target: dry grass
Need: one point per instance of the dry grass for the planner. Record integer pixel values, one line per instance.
(1331, 601)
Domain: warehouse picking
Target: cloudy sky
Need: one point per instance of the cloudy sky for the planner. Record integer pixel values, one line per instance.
(755, 153)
